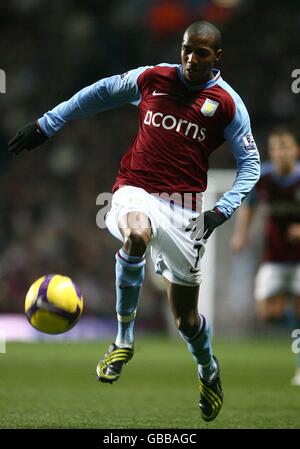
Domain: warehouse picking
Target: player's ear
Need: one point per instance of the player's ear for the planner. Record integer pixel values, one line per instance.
(219, 53)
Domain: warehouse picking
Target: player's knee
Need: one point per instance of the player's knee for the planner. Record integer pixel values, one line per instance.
(136, 241)
(268, 313)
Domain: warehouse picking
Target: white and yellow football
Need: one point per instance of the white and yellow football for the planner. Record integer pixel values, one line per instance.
(53, 304)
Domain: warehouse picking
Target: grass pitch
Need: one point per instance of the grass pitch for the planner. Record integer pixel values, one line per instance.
(48, 385)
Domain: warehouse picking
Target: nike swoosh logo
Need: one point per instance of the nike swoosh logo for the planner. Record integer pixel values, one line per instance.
(158, 93)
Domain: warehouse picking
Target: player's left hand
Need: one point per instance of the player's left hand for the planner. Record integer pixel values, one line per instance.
(202, 226)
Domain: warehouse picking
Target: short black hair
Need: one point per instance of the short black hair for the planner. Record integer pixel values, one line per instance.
(206, 28)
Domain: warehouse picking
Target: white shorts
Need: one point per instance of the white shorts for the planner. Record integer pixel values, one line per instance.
(277, 278)
(172, 250)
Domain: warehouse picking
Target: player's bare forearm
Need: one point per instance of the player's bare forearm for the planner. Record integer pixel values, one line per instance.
(242, 226)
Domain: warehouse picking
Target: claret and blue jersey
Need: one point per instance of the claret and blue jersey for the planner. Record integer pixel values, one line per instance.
(179, 127)
(281, 196)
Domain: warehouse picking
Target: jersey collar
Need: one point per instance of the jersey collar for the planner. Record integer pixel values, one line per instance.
(286, 180)
(210, 83)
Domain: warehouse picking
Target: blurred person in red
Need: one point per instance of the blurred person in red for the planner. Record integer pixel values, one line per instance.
(277, 281)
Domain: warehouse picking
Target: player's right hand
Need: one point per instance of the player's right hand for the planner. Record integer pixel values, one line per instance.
(237, 244)
(27, 138)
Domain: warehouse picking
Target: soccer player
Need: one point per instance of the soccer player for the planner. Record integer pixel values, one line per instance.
(278, 278)
(186, 111)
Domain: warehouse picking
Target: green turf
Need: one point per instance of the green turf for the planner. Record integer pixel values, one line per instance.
(47, 385)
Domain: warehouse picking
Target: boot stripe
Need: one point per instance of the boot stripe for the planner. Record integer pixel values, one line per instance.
(211, 393)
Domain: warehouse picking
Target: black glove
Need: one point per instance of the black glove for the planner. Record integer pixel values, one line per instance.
(203, 225)
(27, 138)
(212, 219)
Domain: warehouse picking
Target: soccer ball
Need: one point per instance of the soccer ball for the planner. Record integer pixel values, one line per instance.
(53, 304)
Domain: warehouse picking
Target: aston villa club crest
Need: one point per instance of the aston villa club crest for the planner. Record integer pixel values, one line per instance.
(209, 107)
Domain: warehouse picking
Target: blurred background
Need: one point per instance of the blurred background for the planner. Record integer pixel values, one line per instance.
(49, 50)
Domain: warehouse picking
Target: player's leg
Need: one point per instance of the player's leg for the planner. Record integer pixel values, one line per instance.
(195, 330)
(130, 271)
(271, 309)
(177, 259)
(192, 326)
(135, 228)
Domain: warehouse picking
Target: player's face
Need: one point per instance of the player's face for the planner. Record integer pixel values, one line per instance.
(283, 151)
(198, 57)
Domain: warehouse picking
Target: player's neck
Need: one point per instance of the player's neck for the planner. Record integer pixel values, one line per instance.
(285, 170)
(201, 80)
